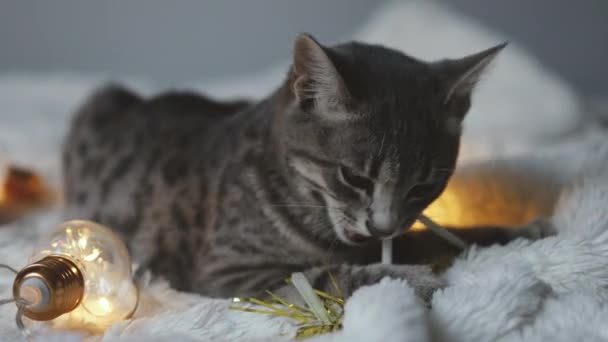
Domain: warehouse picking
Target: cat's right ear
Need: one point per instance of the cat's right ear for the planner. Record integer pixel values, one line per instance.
(461, 75)
(313, 76)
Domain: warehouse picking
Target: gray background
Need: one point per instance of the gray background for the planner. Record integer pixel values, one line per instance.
(183, 40)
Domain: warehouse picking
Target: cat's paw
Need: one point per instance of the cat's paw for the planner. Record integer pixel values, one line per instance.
(420, 277)
(537, 229)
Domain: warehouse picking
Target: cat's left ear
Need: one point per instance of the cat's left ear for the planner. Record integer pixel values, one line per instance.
(461, 75)
(314, 76)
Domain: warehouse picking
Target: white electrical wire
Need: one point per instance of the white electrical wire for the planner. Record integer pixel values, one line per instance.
(443, 233)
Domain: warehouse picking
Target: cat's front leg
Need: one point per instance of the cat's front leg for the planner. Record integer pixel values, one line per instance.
(537, 229)
(351, 277)
(427, 247)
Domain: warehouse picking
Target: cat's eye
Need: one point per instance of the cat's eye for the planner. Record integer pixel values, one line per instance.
(422, 191)
(355, 180)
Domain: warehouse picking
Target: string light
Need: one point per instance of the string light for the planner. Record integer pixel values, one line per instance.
(323, 314)
(79, 276)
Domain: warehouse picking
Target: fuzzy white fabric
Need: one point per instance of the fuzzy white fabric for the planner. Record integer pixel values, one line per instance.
(554, 289)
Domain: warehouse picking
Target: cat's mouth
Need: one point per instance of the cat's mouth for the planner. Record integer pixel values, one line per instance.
(354, 237)
(349, 232)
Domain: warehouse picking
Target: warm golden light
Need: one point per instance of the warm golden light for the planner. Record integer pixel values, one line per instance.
(80, 277)
(82, 243)
(21, 191)
(486, 195)
(3, 178)
(93, 255)
(105, 305)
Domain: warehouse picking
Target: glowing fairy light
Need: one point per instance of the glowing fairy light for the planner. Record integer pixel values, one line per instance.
(80, 273)
(93, 255)
(105, 305)
(82, 243)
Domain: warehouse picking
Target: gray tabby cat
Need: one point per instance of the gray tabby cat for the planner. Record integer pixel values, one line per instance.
(229, 199)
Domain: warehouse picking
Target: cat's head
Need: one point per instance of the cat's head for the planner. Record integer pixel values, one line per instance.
(373, 134)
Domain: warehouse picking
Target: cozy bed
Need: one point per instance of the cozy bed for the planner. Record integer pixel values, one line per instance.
(529, 150)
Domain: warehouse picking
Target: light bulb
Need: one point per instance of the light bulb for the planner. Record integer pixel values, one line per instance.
(79, 275)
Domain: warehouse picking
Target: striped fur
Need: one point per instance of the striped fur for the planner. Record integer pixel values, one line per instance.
(228, 199)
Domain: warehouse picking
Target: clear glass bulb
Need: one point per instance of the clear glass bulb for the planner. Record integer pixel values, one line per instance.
(109, 292)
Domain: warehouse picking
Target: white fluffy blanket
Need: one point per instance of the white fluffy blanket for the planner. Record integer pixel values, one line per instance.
(555, 289)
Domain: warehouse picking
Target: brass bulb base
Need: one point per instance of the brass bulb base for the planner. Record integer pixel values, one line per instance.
(51, 287)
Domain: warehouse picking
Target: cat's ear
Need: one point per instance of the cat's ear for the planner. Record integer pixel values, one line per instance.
(313, 75)
(461, 75)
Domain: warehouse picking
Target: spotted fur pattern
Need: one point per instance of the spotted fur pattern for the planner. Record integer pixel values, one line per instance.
(230, 198)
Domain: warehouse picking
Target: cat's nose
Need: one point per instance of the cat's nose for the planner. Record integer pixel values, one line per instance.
(377, 231)
(381, 222)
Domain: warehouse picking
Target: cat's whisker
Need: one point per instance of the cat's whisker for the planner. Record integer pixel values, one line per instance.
(348, 219)
(302, 206)
(334, 240)
(381, 145)
(308, 206)
(331, 250)
(318, 229)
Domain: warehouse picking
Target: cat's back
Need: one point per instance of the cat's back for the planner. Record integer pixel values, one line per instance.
(123, 149)
(185, 110)
(116, 110)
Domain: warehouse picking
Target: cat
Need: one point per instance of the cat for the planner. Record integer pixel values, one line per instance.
(229, 198)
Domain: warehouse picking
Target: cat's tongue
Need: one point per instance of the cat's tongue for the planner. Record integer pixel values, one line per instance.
(356, 237)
